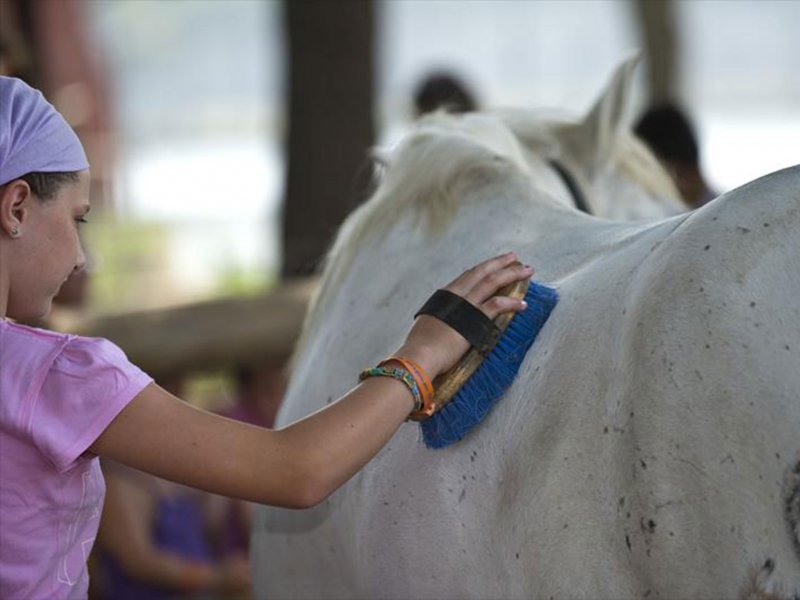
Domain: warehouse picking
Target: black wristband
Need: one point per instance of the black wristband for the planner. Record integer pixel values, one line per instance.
(478, 329)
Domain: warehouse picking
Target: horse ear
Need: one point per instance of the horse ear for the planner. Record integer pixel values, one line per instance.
(594, 140)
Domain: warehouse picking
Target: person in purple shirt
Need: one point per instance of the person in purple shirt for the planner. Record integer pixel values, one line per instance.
(65, 400)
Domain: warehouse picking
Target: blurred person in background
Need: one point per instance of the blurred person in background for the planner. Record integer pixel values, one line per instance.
(443, 91)
(155, 540)
(670, 135)
(259, 391)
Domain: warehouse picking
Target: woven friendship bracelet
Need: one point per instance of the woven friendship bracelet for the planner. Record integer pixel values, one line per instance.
(423, 383)
(400, 375)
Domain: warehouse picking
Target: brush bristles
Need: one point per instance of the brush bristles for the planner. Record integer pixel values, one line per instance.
(490, 381)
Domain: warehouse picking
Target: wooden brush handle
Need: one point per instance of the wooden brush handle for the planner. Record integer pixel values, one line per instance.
(448, 384)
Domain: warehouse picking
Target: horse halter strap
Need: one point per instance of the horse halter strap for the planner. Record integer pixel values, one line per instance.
(572, 185)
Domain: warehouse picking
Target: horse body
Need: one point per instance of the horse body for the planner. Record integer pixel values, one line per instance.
(642, 450)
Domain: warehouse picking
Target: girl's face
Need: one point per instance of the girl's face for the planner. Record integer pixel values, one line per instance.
(48, 250)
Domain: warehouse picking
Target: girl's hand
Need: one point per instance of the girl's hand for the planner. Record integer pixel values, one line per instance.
(436, 346)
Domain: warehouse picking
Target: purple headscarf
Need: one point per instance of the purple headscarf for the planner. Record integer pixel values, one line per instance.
(33, 135)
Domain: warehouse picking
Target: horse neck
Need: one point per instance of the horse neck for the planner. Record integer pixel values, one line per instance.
(558, 240)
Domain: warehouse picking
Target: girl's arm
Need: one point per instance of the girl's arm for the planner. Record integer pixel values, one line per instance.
(300, 465)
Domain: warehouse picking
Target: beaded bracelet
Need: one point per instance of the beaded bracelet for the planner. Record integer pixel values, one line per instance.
(400, 375)
(423, 384)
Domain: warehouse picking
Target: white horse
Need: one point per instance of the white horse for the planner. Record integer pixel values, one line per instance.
(648, 447)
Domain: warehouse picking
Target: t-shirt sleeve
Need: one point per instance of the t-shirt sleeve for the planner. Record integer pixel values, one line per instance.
(87, 386)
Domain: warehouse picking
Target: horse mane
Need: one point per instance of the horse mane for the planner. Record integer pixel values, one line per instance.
(639, 164)
(425, 176)
(428, 174)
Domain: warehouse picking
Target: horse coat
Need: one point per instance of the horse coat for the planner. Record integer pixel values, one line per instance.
(647, 447)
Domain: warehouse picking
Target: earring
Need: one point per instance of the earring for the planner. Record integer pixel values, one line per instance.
(14, 231)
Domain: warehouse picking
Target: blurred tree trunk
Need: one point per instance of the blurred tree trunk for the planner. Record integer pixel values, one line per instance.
(330, 122)
(63, 62)
(658, 29)
(15, 36)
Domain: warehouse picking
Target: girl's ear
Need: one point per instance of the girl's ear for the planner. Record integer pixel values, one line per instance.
(15, 197)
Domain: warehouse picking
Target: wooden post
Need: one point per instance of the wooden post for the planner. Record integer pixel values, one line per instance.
(209, 335)
(330, 123)
(661, 40)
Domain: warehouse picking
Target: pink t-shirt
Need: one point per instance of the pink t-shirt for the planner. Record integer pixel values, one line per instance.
(57, 395)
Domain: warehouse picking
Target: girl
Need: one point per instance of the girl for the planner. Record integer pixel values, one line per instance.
(66, 400)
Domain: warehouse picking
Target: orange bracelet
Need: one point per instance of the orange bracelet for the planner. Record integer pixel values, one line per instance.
(423, 383)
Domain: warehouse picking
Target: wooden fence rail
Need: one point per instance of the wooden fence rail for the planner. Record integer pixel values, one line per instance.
(209, 335)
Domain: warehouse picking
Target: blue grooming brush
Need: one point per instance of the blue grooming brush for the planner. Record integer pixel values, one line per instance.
(494, 374)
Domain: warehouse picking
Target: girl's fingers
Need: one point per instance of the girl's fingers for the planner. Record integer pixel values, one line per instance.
(465, 282)
(498, 305)
(488, 286)
(479, 284)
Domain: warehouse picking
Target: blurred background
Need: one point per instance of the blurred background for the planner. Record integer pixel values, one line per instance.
(185, 109)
